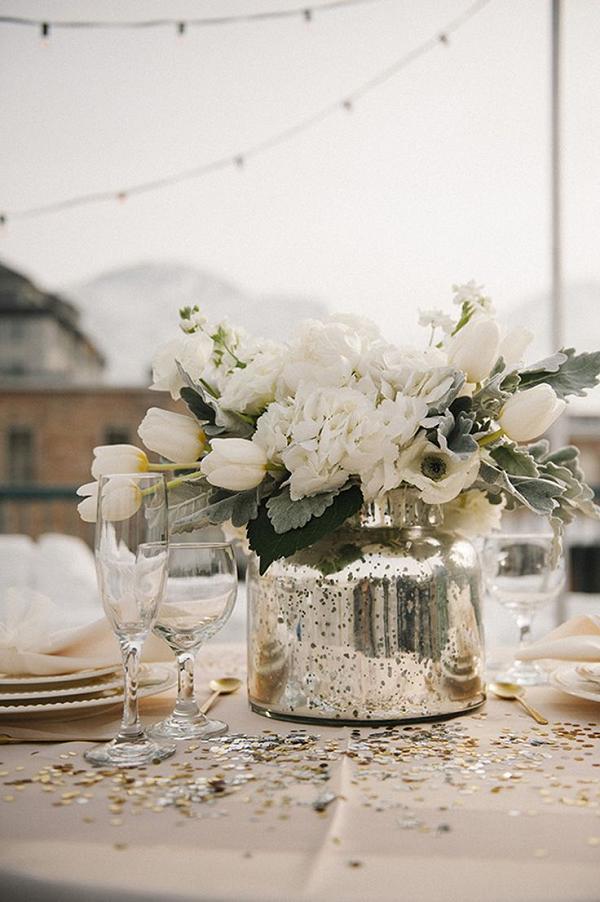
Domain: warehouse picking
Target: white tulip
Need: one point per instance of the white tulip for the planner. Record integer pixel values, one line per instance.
(87, 508)
(514, 344)
(174, 436)
(121, 498)
(529, 413)
(235, 463)
(474, 349)
(110, 459)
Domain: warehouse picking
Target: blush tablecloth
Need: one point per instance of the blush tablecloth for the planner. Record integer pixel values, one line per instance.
(489, 806)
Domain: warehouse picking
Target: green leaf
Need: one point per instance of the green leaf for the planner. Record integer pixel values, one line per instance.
(514, 461)
(537, 494)
(270, 545)
(286, 514)
(458, 380)
(198, 406)
(567, 373)
(216, 508)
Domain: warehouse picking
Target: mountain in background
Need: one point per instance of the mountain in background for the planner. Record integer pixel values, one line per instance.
(130, 311)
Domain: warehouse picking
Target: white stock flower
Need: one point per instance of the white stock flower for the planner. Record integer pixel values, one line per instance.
(251, 389)
(529, 413)
(472, 515)
(514, 344)
(175, 436)
(121, 498)
(472, 293)
(437, 319)
(118, 459)
(475, 348)
(439, 475)
(235, 463)
(192, 351)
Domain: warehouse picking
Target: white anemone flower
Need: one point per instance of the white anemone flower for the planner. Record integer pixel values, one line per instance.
(110, 459)
(439, 475)
(175, 436)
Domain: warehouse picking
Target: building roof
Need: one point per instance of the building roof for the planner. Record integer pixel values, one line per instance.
(19, 295)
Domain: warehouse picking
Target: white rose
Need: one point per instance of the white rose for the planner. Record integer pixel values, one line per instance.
(174, 436)
(475, 348)
(251, 389)
(439, 475)
(118, 459)
(472, 515)
(529, 413)
(514, 344)
(235, 463)
(192, 351)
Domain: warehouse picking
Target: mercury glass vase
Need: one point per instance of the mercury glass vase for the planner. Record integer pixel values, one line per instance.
(378, 622)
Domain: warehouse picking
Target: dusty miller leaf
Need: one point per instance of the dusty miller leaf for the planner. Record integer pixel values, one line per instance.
(514, 460)
(567, 373)
(286, 514)
(270, 546)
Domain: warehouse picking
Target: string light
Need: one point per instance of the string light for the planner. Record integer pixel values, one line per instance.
(181, 29)
(304, 12)
(45, 33)
(347, 103)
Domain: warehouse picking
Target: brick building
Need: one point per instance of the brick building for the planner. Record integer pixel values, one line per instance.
(54, 409)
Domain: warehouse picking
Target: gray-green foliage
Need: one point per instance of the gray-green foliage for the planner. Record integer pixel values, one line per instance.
(566, 372)
(286, 514)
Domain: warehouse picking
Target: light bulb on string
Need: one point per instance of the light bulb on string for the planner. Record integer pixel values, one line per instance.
(3, 221)
(181, 29)
(307, 14)
(444, 39)
(45, 33)
(122, 196)
(239, 161)
(347, 105)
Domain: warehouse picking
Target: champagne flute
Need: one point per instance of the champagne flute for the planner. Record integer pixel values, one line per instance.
(199, 598)
(131, 563)
(522, 575)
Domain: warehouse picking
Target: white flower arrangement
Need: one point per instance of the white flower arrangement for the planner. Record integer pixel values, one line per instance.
(291, 439)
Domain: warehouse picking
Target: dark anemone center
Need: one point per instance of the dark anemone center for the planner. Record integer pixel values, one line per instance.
(433, 466)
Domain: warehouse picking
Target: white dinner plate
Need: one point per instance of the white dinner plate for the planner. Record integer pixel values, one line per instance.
(568, 680)
(51, 679)
(109, 681)
(163, 677)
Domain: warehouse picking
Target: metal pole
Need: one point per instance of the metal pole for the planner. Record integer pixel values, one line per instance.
(559, 433)
(558, 325)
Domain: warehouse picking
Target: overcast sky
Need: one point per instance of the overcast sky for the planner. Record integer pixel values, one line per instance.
(440, 175)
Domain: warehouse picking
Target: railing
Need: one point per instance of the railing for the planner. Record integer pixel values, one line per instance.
(33, 509)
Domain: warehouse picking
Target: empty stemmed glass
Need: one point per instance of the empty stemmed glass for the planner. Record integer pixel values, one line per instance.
(131, 562)
(199, 598)
(523, 575)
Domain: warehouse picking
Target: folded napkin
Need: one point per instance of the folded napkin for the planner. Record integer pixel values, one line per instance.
(51, 617)
(576, 640)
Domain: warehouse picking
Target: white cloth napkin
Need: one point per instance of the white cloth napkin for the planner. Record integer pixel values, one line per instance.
(51, 618)
(576, 640)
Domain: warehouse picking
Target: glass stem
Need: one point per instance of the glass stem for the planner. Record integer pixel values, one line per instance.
(524, 623)
(186, 703)
(131, 727)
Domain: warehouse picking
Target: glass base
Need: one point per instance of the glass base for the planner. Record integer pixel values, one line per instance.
(195, 727)
(129, 753)
(523, 673)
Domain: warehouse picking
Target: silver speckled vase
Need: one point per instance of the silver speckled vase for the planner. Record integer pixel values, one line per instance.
(378, 622)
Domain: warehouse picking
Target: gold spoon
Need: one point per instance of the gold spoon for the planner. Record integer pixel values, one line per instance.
(514, 692)
(222, 686)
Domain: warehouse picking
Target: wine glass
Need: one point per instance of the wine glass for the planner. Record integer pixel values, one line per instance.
(131, 563)
(522, 575)
(200, 595)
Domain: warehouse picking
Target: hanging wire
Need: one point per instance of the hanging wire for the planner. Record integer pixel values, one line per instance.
(239, 159)
(305, 12)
